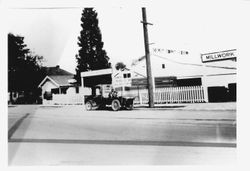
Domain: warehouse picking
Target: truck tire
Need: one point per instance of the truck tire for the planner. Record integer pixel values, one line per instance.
(88, 105)
(115, 105)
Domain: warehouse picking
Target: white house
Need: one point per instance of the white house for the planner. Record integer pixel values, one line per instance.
(56, 81)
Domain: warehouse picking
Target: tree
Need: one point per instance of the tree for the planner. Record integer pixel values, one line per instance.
(120, 66)
(91, 55)
(24, 68)
(16, 53)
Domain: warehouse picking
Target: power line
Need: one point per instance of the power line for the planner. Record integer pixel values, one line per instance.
(200, 65)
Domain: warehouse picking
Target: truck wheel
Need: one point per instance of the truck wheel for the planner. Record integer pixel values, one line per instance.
(88, 105)
(115, 105)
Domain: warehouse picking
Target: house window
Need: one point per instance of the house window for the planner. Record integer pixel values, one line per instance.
(128, 75)
(55, 90)
(77, 90)
(163, 66)
(47, 95)
(64, 90)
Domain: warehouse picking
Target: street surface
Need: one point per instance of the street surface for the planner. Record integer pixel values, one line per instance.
(71, 136)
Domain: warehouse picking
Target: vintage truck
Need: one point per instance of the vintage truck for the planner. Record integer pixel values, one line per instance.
(106, 96)
(103, 94)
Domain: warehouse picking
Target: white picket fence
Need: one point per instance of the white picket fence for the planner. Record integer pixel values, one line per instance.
(191, 94)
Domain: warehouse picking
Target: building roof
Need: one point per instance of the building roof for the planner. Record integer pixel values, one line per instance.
(61, 80)
(181, 67)
(118, 72)
(58, 76)
(56, 71)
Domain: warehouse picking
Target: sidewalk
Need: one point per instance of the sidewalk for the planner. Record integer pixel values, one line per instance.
(193, 106)
(178, 106)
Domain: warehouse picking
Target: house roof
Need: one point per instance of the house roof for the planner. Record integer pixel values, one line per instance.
(61, 80)
(56, 71)
(58, 76)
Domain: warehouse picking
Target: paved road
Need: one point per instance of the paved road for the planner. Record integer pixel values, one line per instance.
(69, 135)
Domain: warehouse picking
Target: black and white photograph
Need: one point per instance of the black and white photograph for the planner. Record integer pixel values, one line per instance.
(123, 82)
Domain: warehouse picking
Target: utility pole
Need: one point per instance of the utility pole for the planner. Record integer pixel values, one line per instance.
(148, 62)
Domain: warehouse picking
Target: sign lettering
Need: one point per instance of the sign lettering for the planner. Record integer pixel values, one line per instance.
(218, 56)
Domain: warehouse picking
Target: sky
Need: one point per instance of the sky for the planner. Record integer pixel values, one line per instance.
(194, 26)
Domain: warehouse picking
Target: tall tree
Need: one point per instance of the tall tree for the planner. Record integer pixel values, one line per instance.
(24, 68)
(91, 55)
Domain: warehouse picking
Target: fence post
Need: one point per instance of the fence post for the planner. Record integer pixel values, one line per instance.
(178, 95)
(205, 93)
(182, 94)
(205, 86)
(140, 98)
(193, 94)
(167, 95)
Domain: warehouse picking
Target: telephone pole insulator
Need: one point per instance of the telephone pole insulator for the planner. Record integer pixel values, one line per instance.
(146, 23)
